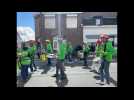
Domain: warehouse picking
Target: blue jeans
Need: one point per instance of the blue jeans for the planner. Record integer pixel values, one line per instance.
(24, 72)
(104, 71)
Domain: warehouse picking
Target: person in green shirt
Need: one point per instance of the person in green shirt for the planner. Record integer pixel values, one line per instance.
(97, 60)
(49, 46)
(49, 51)
(60, 60)
(69, 51)
(106, 57)
(25, 62)
(86, 51)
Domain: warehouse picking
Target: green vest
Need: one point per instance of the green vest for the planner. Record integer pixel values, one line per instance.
(108, 53)
(70, 49)
(99, 48)
(62, 51)
(32, 50)
(25, 60)
(49, 48)
(86, 49)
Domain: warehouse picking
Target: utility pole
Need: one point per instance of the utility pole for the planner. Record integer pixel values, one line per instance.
(59, 25)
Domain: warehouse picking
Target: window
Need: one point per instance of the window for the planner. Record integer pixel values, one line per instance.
(97, 21)
(50, 21)
(89, 21)
(71, 21)
(92, 36)
(109, 21)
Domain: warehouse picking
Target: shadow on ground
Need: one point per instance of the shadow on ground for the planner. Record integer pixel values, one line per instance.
(61, 82)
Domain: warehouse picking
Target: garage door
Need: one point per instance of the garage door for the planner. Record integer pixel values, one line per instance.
(91, 33)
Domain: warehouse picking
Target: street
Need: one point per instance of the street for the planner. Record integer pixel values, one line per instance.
(77, 77)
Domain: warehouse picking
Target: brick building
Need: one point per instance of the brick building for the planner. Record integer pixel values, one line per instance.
(74, 25)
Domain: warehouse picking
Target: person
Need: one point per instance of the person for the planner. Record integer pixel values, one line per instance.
(32, 51)
(69, 50)
(86, 50)
(38, 46)
(106, 59)
(60, 60)
(25, 63)
(49, 51)
(97, 60)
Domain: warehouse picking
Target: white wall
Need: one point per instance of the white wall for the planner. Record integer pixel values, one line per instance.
(97, 30)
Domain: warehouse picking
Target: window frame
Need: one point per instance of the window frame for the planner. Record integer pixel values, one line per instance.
(54, 22)
(67, 19)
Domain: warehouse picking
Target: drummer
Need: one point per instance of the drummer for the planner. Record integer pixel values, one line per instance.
(49, 50)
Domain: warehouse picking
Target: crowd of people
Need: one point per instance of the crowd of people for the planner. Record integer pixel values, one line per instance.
(103, 51)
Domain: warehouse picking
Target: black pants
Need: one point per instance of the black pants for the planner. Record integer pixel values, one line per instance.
(70, 57)
(60, 67)
(85, 59)
(38, 52)
(49, 61)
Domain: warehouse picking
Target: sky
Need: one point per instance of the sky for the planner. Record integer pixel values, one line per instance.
(25, 19)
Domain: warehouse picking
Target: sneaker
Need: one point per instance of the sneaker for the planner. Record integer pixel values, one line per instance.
(99, 82)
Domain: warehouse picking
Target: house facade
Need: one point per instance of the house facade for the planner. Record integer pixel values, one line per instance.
(77, 27)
